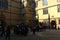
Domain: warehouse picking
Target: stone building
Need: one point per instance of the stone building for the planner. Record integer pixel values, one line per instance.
(17, 11)
(48, 10)
(30, 11)
(10, 11)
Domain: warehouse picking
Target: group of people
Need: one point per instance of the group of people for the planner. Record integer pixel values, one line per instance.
(17, 29)
(21, 29)
(5, 32)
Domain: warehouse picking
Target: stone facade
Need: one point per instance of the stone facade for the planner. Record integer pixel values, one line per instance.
(12, 13)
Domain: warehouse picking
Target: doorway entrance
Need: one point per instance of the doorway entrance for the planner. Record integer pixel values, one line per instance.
(53, 24)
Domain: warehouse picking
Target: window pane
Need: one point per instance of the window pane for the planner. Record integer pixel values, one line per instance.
(45, 2)
(4, 4)
(58, 0)
(36, 3)
(45, 11)
(58, 8)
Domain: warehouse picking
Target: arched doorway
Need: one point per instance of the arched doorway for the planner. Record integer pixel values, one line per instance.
(53, 24)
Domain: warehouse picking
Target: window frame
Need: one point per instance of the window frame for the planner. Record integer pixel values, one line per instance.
(45, 10)
(4, 4)
(58, 7)
(58, 0)
(45, 2)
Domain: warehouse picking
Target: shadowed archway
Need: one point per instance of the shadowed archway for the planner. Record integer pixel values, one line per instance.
(53, 24)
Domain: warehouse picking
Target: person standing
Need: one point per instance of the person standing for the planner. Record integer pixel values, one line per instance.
(7, 37)
(33, 29)
(3, 29)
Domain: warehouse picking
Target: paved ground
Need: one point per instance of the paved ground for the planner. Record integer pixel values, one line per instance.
(45, 35)
(49, 35)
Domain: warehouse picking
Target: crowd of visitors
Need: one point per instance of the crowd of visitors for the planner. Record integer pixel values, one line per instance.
(21, 29)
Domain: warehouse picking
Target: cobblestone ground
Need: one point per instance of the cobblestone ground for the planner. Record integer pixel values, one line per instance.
(45, 35)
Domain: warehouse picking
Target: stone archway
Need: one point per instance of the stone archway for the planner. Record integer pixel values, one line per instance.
(53, 24)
